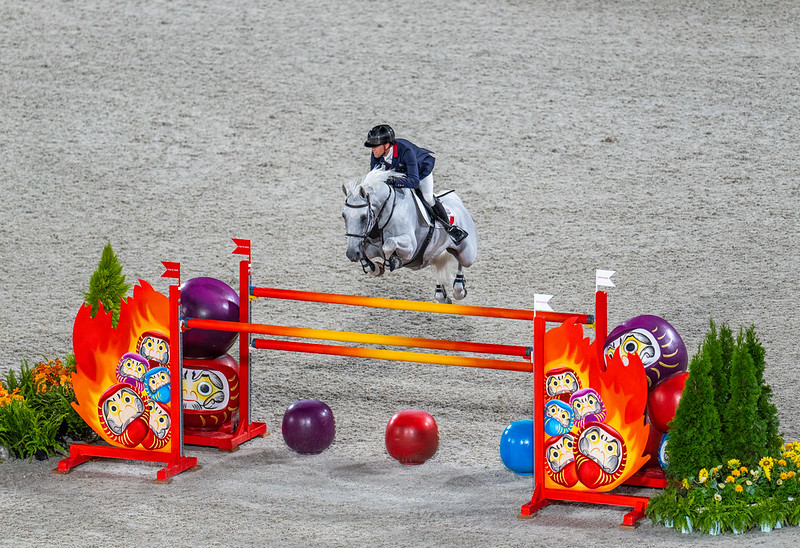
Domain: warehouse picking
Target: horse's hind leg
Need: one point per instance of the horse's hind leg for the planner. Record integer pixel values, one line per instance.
(459, 285)
(441, 295)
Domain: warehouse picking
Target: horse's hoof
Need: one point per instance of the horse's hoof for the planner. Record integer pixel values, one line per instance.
(441, 295)
(394, 263)
(459, 287)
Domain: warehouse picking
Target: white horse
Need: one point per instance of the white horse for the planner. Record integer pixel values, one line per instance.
(389, 227)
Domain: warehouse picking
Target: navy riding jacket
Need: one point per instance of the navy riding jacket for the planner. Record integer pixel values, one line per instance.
(415, 162)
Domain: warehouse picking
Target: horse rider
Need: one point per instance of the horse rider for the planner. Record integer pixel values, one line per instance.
(416, 163)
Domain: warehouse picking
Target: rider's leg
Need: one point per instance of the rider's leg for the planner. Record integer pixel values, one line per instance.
(426, 187)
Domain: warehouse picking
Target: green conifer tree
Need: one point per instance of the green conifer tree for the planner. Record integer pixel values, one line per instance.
(768, 423)
(727, 344)
(740, 422)
(694, 436)
(107, 285)
(714, 352)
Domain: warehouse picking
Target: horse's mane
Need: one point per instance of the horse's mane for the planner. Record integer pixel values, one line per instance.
(370, 182)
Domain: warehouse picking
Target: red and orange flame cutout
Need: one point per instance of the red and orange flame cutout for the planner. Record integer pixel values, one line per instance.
(98, 348)
(623, 390)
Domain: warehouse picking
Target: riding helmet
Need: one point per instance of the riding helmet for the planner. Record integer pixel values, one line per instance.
(379, 135)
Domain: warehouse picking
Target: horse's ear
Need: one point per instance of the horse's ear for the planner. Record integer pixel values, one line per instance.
(344, 189)
(362, 192)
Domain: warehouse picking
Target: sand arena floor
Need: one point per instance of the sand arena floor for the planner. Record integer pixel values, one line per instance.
(658, 140)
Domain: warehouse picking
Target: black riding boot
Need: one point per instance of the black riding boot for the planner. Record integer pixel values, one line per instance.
(456, 234)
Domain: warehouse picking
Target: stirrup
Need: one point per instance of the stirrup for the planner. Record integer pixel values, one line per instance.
(457, 234)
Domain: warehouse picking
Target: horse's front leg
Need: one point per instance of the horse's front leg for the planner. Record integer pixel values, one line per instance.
(399, 249)
(459, 285)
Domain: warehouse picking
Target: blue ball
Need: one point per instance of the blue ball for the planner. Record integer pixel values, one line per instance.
(663, 461)
(516, 447)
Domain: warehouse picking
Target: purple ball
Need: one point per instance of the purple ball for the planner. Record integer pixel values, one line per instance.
(308, 427)
(657, 343)
(209, 299)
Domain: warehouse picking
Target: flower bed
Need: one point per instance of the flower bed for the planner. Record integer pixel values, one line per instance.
(36, 414)
(734, 498)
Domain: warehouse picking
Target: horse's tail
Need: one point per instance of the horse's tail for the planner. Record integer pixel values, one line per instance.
(446, 267)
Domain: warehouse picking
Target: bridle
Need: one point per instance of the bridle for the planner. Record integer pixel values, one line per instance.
(373, 227)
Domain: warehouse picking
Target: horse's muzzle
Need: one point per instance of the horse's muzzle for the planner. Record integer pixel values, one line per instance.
(354, 254)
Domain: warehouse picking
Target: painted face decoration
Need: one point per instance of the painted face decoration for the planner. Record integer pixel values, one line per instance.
(211, 393)
(123, 415)
(154, 346)
(558, 418)
(157, 384)
(560, 457)
(600, 456)
(204, 390)
(587, 407)
(560, 382)
(131, 369)
(159, 422)
(655, 341)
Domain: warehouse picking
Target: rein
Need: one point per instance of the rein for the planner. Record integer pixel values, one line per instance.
(376, 230)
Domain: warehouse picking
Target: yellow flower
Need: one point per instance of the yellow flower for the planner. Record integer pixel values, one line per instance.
(784, 475)
(686, 484)
(735, 473)
(766, 462)
(734, 463)
(739, 488)
(781, 462)
(702, 477)
(730, 479)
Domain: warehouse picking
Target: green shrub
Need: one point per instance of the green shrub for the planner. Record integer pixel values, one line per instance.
(36, 414)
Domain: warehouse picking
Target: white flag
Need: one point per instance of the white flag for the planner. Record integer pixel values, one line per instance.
(603, 278)
(540, 302)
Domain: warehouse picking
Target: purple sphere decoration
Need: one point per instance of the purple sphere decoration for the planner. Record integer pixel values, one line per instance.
(209, 299)
(657, 343)
(308, 427)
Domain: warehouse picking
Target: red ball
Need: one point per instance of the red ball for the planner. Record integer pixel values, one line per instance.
(412, 436)
(663, 400)
(653, 442)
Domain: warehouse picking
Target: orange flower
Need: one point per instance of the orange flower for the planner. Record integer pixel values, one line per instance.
(730, 479)
(7, 397)
(51, 373)
(781, 462)
(735, 473)
(784, 475)
(739, 488)
(791, 474)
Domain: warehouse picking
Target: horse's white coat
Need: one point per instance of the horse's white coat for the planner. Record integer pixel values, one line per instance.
(403, 228)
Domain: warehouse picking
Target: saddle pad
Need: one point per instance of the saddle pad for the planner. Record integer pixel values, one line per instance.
(422, 208)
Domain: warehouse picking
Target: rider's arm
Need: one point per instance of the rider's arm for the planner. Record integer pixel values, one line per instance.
(409, 158)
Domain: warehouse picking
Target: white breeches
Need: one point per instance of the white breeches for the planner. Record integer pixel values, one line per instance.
(426, 186)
